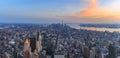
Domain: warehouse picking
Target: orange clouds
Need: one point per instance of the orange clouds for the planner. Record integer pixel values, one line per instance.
(90, 11)
(94, 11)
(93, 4)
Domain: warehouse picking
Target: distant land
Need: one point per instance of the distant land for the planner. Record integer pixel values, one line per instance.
(2, 25)
(101, 25)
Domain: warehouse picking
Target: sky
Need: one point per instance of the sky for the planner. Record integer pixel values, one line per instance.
(55, 11)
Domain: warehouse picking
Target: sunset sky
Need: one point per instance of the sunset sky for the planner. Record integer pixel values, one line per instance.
(54, 11)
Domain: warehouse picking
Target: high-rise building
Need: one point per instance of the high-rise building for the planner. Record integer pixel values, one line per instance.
(92, 53)
(6, 55)
(86, 52)
(38, 42)
(44, 40)
(112, 53)
(27, 54)
(33, 46)
(27, 48)
(14, 51)
(35, 54)
(104, 52)
(26, 44)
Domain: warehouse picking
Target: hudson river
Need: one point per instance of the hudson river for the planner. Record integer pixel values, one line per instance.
(76, 26)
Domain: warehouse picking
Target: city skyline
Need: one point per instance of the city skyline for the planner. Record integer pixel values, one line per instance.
(54, 11)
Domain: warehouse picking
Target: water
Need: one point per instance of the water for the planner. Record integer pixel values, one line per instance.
(76, 26)
(4, 27)
(1, 28)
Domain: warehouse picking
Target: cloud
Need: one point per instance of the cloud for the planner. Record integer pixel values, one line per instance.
(96, 13)
(93, 3)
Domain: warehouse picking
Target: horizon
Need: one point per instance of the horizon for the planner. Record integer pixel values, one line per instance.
(51, 23)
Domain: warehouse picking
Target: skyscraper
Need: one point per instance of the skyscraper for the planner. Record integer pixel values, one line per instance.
(112, 53)
(38, 42)
(86, 52)
(92, 53)
(14, 50)
(27, 48)
(33, 44)
(35, 54)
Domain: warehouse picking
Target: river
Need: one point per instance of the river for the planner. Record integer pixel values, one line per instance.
(76, 26)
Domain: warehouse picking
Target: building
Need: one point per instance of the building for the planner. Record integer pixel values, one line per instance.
(33, 46)
(59, 56)
(92, 53)
(38, 42)
(112, 53)
(27, 48)
(14, 51)
(86, 52)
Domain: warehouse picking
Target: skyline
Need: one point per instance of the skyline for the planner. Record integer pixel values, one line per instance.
(54, 11)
